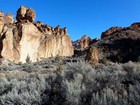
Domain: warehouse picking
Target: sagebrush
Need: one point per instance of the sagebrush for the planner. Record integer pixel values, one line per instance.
(72, 83)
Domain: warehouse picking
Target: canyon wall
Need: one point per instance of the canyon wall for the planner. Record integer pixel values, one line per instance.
(23, 38)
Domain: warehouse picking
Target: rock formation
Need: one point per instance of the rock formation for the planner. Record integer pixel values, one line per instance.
(117, 44)
(82, 43)
(8, 19)
(82, 46)
(94, 41)
(5, 20)
(85, 41)
(136, 26)
(93, 56)
(76, 44)
(1, 21)
(24, 38)
(25, 14)
(120, 44)
(110, 31)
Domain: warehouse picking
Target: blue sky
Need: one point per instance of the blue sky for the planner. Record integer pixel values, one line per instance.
(90, 17)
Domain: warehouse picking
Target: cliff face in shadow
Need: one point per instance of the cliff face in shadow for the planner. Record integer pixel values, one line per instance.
(121, 44)
(122, 50)
(117, 44)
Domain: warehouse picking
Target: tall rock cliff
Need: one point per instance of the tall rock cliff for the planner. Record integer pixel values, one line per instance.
(120, 44)
(24, 38)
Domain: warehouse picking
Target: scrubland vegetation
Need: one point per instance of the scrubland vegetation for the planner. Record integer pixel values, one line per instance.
(66, 82)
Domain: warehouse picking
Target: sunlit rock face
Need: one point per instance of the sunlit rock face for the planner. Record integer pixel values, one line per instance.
(110, 31)
(136, 26)
(30, 42)
(93, 55)
(25, 14)
(56, 46)
(85, 41)
(7, 19)
(1, 21)
(23, 38)
(82, 43)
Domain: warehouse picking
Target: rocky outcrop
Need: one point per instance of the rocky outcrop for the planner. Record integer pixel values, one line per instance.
(81, 46)
(26, 39)
(1, 21)
(76, 44)
(56, 46)
(117, 45)
(93, 41)
(136, 26)
(25, 14)
(122, 45)
(7, 20)
(93, 56)
(30, 40)
(82, 43)
(110, 31)
(9, 47)
(85, 41)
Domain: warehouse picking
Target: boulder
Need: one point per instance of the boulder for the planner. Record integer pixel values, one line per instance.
(93, 55)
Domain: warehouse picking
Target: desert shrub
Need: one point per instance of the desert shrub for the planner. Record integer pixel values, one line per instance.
(73, 83)
(28, 59)
(25, 91)
(58, 59)
(5, 86)
(30, 67)
(104, 60)
(74, 89)
(103, 85)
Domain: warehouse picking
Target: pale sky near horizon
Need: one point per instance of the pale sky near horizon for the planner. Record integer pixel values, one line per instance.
(81, 17)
